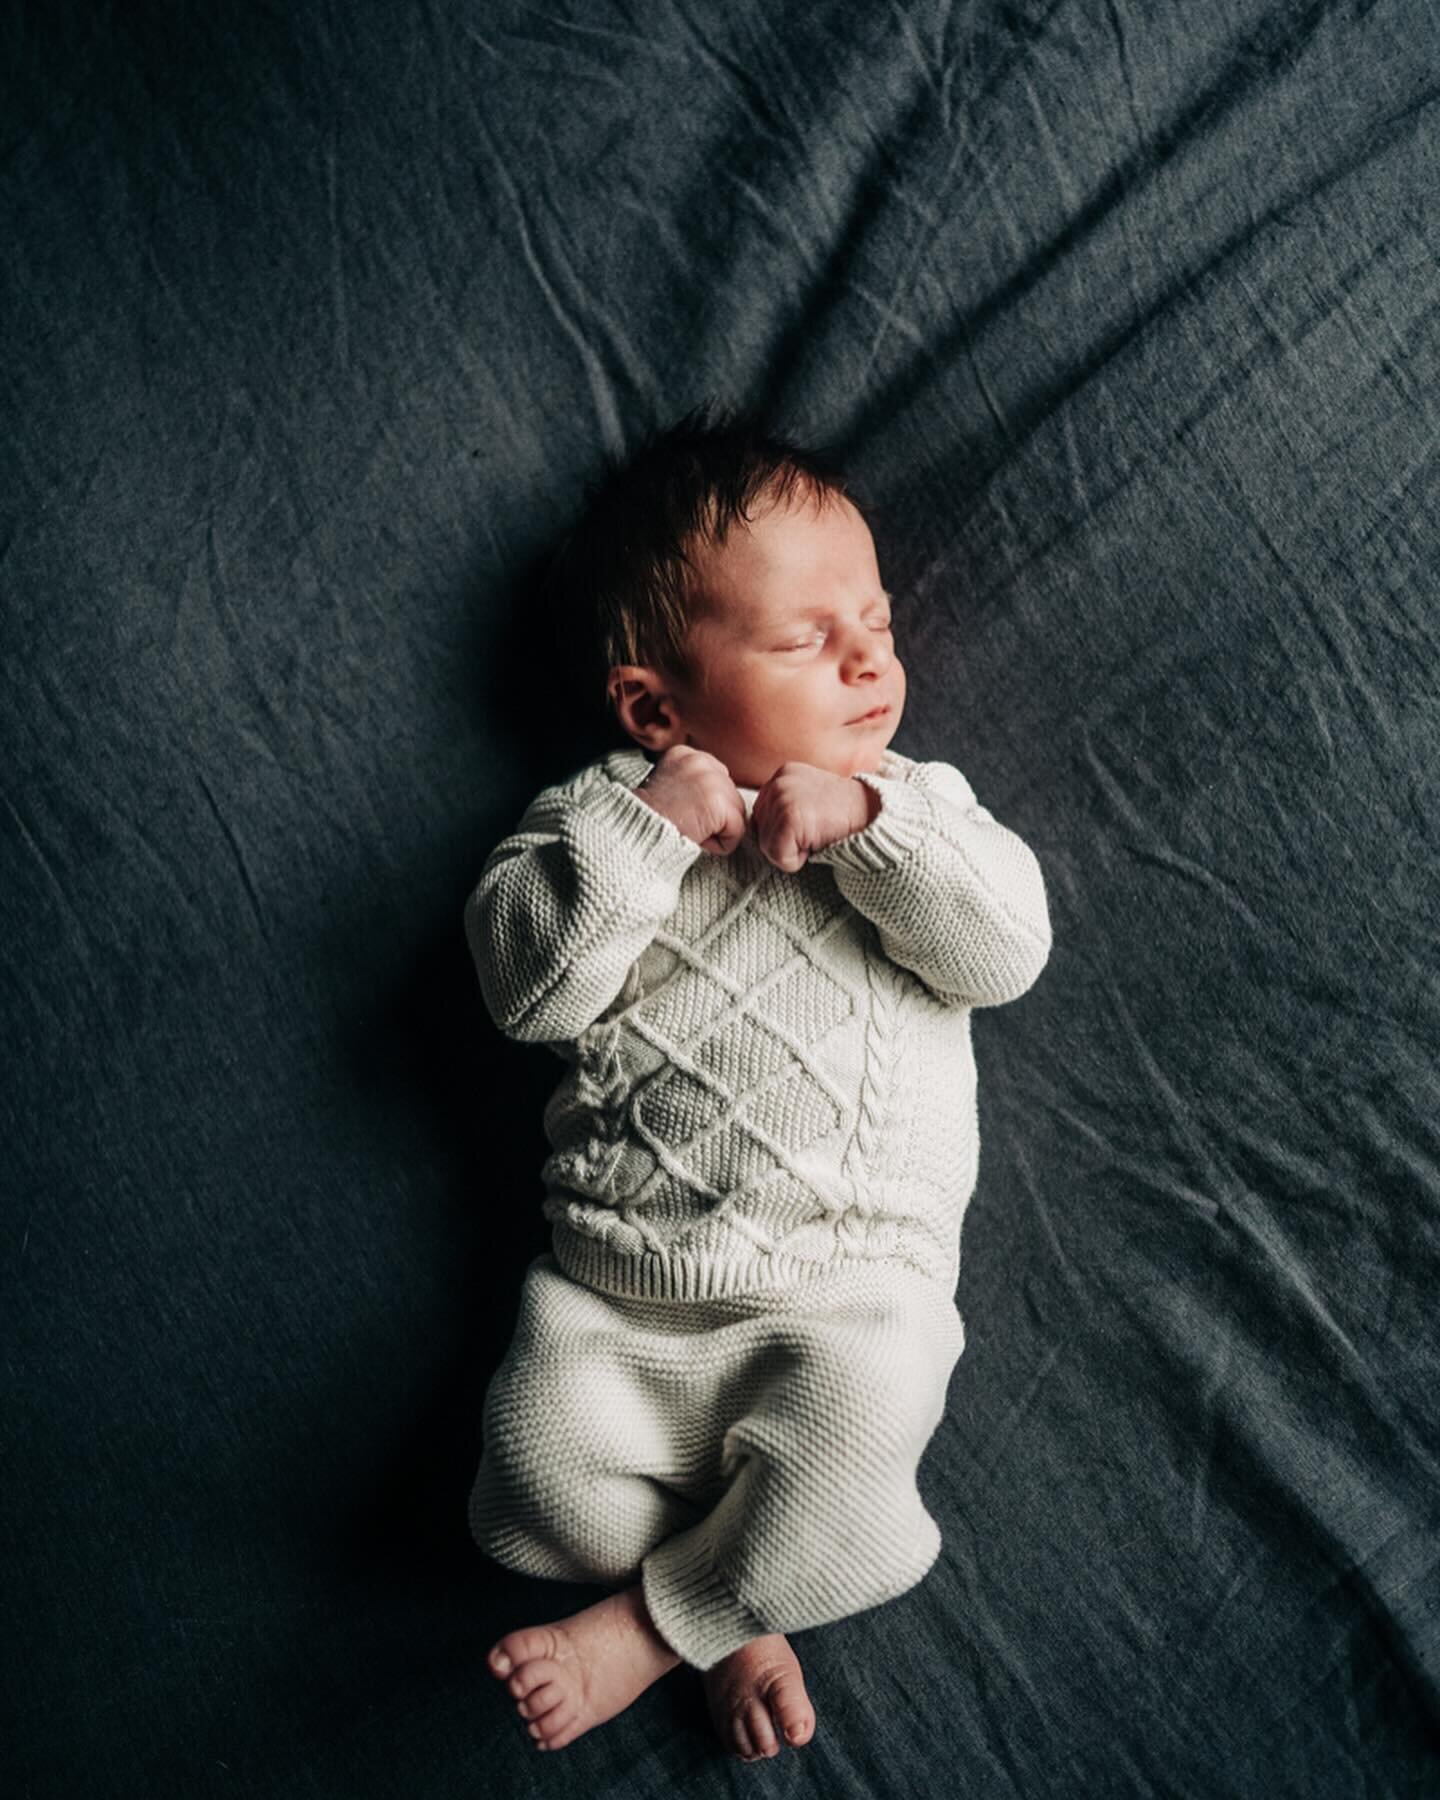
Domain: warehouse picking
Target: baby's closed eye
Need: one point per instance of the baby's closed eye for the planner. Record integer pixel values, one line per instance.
(819, 634)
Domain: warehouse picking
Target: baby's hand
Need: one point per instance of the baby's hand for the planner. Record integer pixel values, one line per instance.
(694, 791)
(801, 808)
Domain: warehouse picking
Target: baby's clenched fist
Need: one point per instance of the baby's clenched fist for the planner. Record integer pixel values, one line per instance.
(694, 791)
(801, 809)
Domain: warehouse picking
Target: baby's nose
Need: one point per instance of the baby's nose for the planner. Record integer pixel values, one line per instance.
(873, 658)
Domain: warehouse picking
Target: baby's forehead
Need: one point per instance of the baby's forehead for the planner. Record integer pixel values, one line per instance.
(726, 611)
(782, 561)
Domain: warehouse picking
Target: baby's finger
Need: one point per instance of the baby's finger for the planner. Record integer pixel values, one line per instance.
(780, 845)
(732, 827)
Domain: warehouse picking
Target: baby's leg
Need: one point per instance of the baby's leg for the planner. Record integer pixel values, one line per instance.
(563, 1493)
(822, 1518)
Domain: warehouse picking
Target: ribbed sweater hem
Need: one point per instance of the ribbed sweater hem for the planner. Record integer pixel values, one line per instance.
(693, 1275)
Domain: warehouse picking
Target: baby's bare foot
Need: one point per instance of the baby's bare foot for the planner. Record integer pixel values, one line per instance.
(580, 1671)
(754, 1693)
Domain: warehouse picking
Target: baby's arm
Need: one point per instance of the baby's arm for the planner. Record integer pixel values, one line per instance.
(957, 898)
(567, 903)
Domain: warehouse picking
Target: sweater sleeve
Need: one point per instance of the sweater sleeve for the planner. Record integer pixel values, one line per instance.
(566, 904)
(957, 898)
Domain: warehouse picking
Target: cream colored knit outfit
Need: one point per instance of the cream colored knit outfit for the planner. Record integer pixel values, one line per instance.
(727, 1367)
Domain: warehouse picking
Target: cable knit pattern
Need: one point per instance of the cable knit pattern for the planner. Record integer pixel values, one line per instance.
(769, 1074)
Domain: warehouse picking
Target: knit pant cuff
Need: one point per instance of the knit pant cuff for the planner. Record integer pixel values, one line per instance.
(693, 1610)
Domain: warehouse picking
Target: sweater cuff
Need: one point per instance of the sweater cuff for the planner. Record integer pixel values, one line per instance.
(903, 821)
(622, 815)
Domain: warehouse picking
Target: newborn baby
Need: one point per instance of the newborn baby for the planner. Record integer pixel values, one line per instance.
(755, 937)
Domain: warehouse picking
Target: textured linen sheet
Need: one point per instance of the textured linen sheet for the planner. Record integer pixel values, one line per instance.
(1124, 318)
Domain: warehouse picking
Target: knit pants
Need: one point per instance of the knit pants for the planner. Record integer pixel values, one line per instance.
(750, 1460)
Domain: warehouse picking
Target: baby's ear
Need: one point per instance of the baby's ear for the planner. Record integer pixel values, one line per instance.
(643, 707)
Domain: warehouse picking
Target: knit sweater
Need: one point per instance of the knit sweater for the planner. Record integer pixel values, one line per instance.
(768, 1073)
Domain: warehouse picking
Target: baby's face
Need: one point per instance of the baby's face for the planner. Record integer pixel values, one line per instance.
(794, 648)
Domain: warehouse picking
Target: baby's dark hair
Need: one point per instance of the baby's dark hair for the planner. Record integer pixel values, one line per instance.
(626, 576)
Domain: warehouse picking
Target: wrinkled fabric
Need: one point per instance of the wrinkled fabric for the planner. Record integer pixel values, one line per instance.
(1123, 319)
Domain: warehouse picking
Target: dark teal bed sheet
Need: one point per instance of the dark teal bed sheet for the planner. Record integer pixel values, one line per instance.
(1126, 319)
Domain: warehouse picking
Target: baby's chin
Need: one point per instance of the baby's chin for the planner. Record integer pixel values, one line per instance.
(847, 751)
(863, 759)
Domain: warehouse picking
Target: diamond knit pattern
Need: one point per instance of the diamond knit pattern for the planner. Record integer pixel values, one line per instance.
(769, 1073)
(736, 1020)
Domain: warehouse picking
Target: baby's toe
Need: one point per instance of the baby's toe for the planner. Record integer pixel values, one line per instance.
(531, 1676)
(760, 1729)
(541, 1700)
(792, 1712)
(554, 1722)
(558, 1729)
(740, 1737)
(517, 1647)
